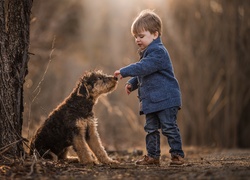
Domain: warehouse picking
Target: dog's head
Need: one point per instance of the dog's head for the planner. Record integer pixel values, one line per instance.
(95, 83)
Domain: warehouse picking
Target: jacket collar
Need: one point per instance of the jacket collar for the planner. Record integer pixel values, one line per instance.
(153, 43)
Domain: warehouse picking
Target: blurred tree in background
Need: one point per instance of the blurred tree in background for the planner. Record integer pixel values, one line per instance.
(214, 38)
(208, 42)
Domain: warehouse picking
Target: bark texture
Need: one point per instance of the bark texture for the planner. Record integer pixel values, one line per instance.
(14, 45)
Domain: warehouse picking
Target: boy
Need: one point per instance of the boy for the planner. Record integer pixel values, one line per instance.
(158, 89)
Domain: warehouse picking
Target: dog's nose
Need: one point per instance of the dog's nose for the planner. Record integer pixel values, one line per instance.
(115, 78)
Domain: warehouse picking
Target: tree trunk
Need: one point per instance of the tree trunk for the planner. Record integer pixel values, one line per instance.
(14, 44)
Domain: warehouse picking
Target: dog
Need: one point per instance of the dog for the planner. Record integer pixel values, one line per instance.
(73, 123)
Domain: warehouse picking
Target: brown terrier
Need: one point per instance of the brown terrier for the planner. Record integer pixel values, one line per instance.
(73, 123)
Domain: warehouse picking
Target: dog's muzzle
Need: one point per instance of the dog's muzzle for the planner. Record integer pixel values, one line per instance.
(116, 78)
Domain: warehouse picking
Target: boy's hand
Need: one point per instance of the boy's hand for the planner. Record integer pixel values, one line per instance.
(128, 88)
(117, 73)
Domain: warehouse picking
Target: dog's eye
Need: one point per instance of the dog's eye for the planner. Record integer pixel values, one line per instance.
(99, 78)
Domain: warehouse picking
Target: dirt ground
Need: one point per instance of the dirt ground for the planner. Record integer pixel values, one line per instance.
(201, 163)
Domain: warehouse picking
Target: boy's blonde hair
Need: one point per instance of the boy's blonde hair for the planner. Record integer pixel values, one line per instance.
(147, 20)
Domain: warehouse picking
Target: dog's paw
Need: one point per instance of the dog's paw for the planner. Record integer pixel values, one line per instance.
(72, 159)
(111, 162)
(89, 163)
(115, 162)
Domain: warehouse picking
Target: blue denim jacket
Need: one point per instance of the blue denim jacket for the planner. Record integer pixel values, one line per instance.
(154, 78)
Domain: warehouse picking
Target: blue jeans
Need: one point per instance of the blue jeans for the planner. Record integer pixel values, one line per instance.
(166, 121)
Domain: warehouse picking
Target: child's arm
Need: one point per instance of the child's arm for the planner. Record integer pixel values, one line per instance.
(156, 60)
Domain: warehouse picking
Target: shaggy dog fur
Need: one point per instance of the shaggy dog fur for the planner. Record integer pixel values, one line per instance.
(73, 123)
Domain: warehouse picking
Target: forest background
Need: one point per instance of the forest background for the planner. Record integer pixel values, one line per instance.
(208, 42)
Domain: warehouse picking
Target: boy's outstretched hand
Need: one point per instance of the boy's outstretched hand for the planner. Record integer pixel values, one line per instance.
(117, 73)
(127, 86)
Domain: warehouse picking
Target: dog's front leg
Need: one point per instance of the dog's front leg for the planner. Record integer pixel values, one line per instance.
(96, 146)
(81, 147)
(82, 150)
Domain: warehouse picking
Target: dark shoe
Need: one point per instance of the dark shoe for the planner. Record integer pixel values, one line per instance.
(177, 160)
(147, 160)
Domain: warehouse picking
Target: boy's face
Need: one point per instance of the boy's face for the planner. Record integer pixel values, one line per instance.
(144, 38)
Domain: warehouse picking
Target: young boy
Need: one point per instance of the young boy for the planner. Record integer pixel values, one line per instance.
(158, 89)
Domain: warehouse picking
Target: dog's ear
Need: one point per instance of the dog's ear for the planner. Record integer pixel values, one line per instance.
(83, 91)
